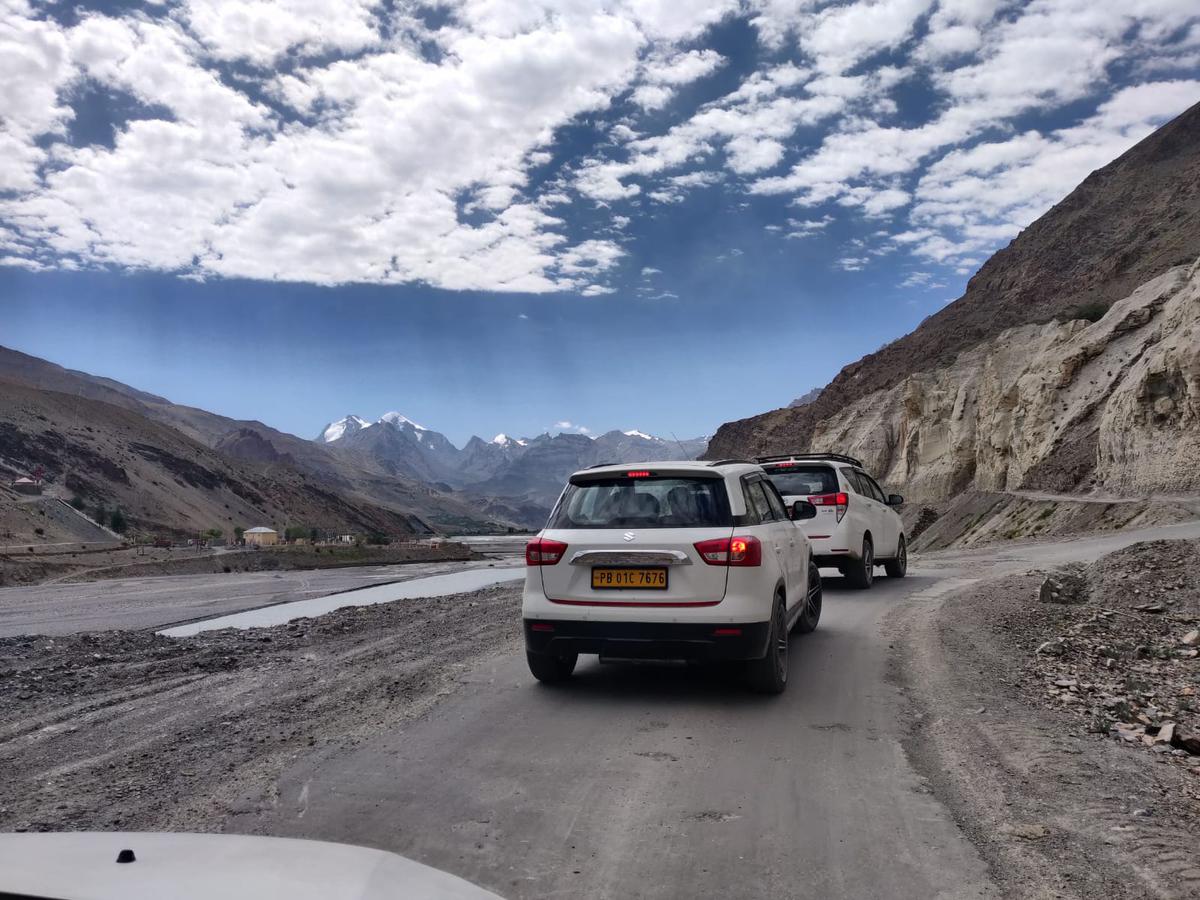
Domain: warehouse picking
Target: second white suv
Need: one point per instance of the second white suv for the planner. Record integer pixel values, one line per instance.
(670, 560)
(856, 527)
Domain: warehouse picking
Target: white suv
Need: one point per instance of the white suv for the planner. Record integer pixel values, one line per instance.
(670, 560)
(856, 527)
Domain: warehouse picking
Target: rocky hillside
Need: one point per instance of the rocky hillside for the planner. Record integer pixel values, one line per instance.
(1125, 224)
(164, 481)
(1112, 405)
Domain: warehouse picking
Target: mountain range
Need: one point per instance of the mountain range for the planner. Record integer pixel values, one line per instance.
(173, 468)
(519, 478)
(255, 449)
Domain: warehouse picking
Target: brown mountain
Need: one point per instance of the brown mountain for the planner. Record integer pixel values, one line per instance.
(1125, 224)
(355, 480)
(163, 480)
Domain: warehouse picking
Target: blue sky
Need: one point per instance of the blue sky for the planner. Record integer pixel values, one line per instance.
(496, 216)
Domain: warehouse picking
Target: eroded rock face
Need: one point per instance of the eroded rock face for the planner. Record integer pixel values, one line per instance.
(1113, 404)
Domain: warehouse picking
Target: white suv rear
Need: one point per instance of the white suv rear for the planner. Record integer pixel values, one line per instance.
(856, 527)
(670, 560)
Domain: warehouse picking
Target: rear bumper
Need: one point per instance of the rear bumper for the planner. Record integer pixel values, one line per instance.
(834, 560)
(649, 640)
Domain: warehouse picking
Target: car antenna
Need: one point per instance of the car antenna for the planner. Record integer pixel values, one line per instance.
(682, 452)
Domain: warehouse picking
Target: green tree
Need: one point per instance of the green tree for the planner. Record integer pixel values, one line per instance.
(78, 503)
(295, 532)
(238, 532)
(101, 514)
(117, 521)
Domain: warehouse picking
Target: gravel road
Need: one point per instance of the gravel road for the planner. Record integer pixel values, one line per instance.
(415, 727)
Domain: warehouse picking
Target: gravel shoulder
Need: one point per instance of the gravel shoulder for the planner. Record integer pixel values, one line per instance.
(1014, 705)
(133, 731)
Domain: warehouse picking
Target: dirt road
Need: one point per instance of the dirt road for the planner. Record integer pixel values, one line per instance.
(415, 727)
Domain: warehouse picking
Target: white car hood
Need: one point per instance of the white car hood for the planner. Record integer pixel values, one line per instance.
(83, 866)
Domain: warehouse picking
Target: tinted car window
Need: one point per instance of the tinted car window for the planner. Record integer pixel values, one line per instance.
(644, 503)
(876, 490)
(775, 501)
(852, 480)
(804, 481)
(756, 502)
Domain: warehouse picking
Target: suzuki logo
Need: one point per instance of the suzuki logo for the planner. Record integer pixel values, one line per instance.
(629, 536)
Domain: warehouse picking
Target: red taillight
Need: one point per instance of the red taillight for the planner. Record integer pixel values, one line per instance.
(544, 552)
(641, 473)
(727, 632)
(541, 626)
(841, 500)
(735, 551)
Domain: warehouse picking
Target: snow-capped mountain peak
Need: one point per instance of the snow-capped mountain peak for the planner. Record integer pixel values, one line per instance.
(504, 440)
(395, 418)
(342, 427)
(640, 434)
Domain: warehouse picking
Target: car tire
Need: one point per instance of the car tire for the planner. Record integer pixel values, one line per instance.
(898, 567)
(807, 621)
(862, 573)
(550, 669)
(769, 674)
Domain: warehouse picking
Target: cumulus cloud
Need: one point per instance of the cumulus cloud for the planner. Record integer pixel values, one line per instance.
(340, 141)
(362, 160)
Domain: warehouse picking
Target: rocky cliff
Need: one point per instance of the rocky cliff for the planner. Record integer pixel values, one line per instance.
(1125, 224)
(1111, 405)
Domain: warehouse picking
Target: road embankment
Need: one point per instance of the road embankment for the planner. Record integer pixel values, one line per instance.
(1057, 718)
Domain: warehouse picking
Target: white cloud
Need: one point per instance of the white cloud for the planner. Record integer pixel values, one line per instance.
(975, 199)
(352, 141)
(839, 37)
(802, 228)
(260, 31)
(664, 73)
(369, 172)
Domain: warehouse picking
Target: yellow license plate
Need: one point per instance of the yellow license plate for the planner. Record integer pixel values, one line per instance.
(629, 579)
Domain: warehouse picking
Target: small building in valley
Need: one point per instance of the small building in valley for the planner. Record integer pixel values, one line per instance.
(261, 537)
(27, 486)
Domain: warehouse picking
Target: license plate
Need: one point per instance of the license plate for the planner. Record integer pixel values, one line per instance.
(629, 579)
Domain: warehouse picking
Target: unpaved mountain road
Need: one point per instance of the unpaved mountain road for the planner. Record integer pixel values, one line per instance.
(654, 781)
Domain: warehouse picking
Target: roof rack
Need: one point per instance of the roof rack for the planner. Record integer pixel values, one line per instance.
(836, 457)
(727, 462)
(602, 465)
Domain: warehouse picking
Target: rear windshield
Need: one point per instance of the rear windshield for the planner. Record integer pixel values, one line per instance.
(802, 481)
(644, 503)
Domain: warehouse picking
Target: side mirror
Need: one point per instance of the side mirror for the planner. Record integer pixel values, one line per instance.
(895, 500)
(802, 510)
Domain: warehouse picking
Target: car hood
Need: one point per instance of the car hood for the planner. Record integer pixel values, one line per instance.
(83, 866)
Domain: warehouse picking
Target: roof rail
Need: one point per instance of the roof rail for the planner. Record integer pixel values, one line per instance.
(727, 462)
(836, 457)
(601, 465)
